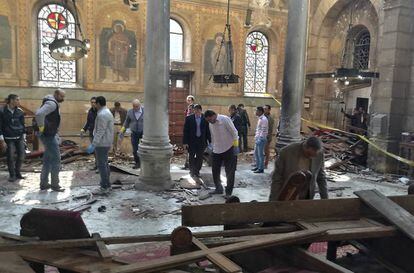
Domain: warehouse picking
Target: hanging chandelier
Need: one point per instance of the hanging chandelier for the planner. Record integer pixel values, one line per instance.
(65, 48)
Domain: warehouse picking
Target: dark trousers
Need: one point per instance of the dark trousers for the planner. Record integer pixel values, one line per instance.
(91, 140)
(230, 162)
(243, 139)
(51, 161)
(135, 138)
(195, 157)
(15, 155)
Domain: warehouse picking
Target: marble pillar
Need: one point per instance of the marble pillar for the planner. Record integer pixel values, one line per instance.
(294, 73)
(155, 149)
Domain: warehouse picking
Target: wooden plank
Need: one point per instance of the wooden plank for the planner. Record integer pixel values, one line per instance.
(284, 211)
(14, 237)
(219, 259)
(313, 261)
(103, 251)
(10, 262)
(137, 239)
(173, 261)
(394, 213)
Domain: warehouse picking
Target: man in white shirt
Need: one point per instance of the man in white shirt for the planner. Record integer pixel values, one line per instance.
(260, 138)
(225, 142)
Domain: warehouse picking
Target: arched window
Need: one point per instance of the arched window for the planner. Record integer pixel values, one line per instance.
(176, 41)
(361, 49)
(257, 56)
(54, 18)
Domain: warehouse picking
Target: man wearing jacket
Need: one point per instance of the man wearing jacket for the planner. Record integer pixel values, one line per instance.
(12, 135)
(48, 122)
(303, 156)
(90, 122)
(119, 114)
(195, 138)
(135, 122)
(103, 135)
(245, 126)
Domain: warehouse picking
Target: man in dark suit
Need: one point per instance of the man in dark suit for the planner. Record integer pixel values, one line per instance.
(196, 136)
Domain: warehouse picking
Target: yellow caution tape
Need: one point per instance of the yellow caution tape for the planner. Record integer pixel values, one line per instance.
(362, 137)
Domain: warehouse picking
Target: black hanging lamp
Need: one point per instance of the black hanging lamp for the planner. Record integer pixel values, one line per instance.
(230, 77)
(65, 48)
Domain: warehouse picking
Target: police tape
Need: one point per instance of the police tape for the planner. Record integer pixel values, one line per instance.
(362, 137)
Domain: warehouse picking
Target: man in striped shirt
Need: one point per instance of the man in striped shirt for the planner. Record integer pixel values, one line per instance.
(260, 138)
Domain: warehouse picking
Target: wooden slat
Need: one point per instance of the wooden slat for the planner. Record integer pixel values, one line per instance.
(262, 242)
(103, 251)
(219, 259)
(285, 211)
(394, 213)
(137, 239)
(10, 262)
(313, 261)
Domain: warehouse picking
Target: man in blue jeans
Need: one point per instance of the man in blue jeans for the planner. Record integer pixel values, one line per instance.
(48, 122)
(103, 135)
(260, 138)
(135, 122)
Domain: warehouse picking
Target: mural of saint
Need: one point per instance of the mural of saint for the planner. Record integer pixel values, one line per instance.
(118, 50)
(216, 59)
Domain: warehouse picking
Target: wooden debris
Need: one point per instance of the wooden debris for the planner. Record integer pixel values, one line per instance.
(103, 251)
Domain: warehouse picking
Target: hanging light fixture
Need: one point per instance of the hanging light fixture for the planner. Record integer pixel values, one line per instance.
(65, 48)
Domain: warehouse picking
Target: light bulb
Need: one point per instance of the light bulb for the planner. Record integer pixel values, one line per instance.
(67, 53)
(86, 55)
(346, 83)
(66, 41)
(336, 81)
(360, 77)
(333, 75)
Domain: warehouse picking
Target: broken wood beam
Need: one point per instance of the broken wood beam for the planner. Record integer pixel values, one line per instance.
(391, 211)
(263, 241)
(137, 239)
(10, 262)
(103, 251)
(283, 211)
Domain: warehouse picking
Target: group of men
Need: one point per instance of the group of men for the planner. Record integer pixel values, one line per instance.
(222, 133)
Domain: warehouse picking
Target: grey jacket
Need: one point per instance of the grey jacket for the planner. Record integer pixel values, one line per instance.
(48, 107)
(287, 164)
(136, 126)
(103, 133)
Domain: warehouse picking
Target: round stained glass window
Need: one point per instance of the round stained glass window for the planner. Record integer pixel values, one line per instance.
(56, 20)
(256, 45)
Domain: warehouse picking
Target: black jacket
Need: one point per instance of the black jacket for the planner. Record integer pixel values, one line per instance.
(237, 121)
(244, 117)
(90, 121)
(190, 130)
(12, 125)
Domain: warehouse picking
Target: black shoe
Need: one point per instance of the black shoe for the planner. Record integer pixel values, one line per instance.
(217, 191)
(12, 179)
(58, 189)
(20, 176)
(259, 171)
(254, 169)
(46, 187)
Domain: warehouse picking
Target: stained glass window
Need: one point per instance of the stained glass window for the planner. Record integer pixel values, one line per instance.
(52, 18)
(361, 50)
(176, 41)
(257, 56)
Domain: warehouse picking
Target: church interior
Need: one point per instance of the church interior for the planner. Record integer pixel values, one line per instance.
(335, 75)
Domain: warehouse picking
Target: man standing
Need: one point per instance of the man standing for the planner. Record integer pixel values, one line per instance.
(225, 142)
(190, 105)
(48, 121)
(271, 124)
(90, 122)
(260, 139)
(245, 126)
(12, 135)
(103, 135)
(195, 137)
(303, 156)
(135, 121)
(237, 121)
(119, 115)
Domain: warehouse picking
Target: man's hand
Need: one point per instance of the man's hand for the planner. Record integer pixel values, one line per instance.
(90, 149)
(82, 132)
(185, 146)
(123, 129)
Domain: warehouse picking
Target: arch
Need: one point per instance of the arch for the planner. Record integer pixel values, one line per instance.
(187, 36)
(176, 41)
(361, 42)
(256, 63)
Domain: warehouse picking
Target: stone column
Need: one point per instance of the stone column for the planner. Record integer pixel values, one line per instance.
(392, 95)
(155, 149)
(294, 73)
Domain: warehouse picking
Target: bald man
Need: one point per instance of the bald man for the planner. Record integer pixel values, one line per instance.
(135, 121)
